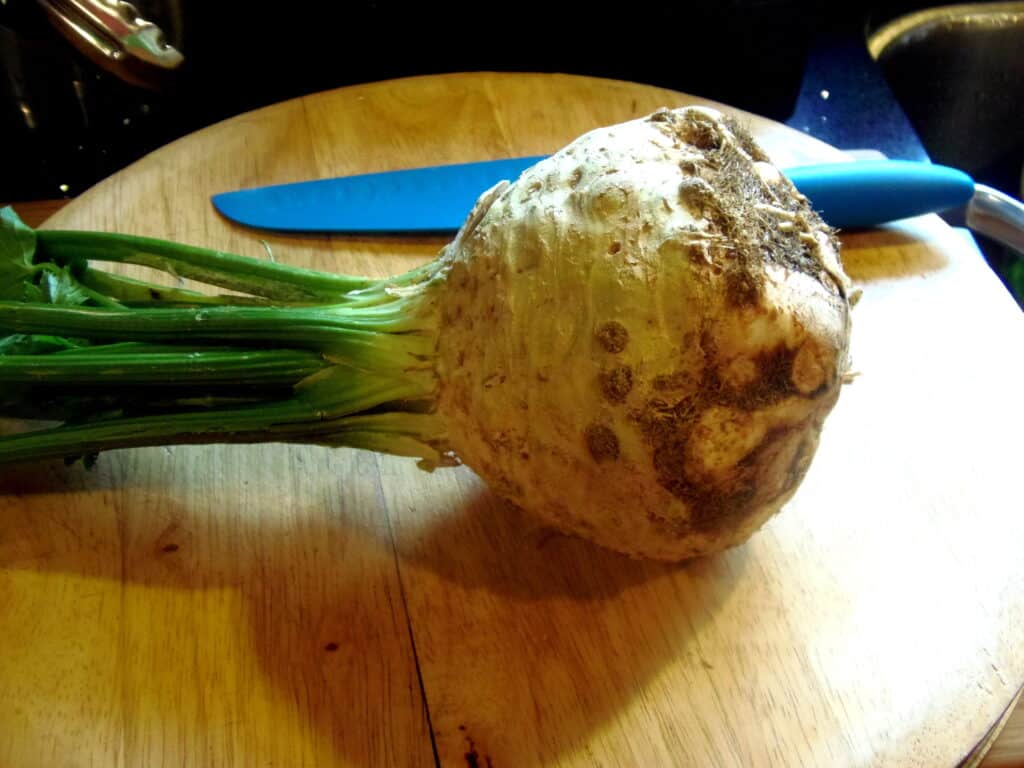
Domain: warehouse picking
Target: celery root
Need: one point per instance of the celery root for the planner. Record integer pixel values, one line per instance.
(639, 340)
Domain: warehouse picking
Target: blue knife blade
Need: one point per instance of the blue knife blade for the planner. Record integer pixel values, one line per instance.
(437, 199)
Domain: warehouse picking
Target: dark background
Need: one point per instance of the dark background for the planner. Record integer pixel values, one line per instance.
(66, 123)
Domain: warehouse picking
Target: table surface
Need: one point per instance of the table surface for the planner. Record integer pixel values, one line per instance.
(292, 605)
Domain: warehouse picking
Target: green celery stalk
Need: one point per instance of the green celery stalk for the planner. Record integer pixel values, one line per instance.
(294, 355)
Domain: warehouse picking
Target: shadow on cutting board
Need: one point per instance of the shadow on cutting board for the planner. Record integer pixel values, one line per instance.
(257, 623)
(536, 646)
(888, 253)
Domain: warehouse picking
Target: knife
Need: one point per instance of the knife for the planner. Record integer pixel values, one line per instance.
(437, 199)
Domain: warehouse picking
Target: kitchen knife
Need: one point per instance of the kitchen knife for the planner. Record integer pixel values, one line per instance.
(438, 198)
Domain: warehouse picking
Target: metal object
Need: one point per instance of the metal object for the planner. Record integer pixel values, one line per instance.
(958, 73)
(115, 36)
(907, 30)
(998, 216)
(437, 199)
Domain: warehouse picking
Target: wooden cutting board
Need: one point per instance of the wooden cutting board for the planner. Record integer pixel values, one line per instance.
(297, 606)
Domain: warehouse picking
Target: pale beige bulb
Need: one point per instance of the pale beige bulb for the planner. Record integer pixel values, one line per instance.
(644, 335)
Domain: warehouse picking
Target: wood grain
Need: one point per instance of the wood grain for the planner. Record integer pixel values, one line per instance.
(1007, 751)
(1004, 743)
(283, 605)
(36, 212)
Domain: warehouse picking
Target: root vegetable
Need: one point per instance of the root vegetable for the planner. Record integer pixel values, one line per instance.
(638, 340)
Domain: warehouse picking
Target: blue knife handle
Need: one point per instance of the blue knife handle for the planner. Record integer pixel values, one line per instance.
(863, 194)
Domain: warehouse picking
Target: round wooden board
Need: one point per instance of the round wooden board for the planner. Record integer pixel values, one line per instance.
(298, 606)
